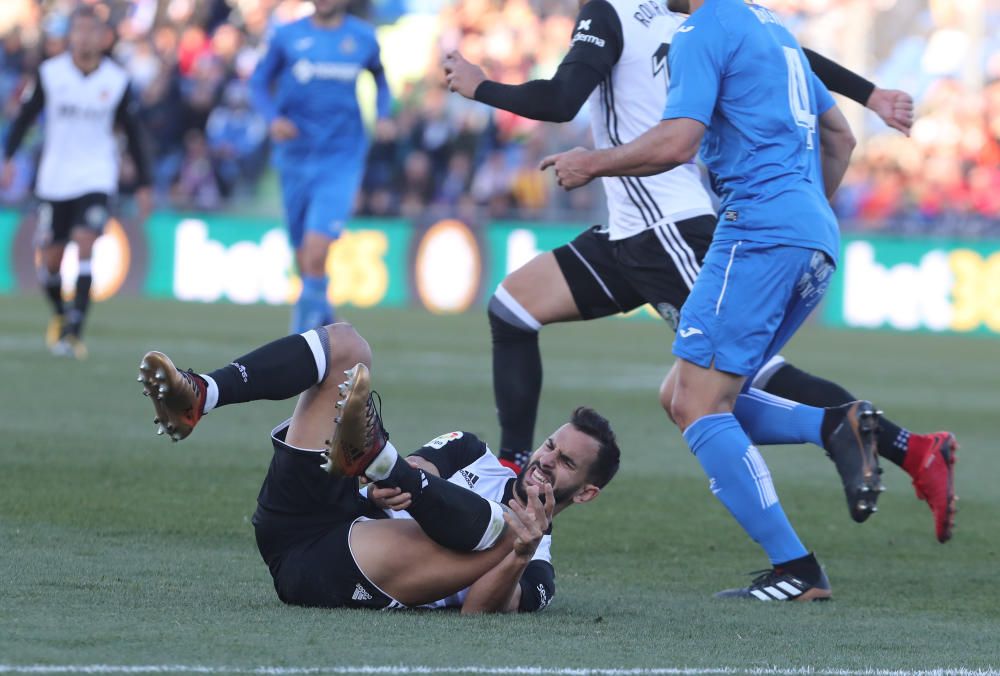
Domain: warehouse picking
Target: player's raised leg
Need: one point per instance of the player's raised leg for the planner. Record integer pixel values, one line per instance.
(278, 370)
(358, 445)
(929, 459)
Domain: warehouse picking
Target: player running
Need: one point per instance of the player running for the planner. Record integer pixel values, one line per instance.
(742, 91)
(305, 88)
(659, 230)
(328, 545)
(83, 95)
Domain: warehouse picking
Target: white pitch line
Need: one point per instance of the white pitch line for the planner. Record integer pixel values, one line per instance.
(493, 671)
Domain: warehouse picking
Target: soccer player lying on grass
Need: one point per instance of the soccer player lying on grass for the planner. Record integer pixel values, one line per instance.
(327, 544)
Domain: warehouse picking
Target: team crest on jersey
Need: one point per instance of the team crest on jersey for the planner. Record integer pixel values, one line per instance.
(348, 45)
(443, 439)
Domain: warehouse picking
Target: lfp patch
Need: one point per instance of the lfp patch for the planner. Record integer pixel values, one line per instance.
(444, 439)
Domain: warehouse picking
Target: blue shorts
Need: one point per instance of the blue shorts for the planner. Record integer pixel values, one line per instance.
(747, 302)
(319, 198)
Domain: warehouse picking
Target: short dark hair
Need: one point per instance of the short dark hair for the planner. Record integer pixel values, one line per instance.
(86, 12)
(596, 426)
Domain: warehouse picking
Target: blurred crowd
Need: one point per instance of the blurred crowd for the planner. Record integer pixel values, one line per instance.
(441, 154)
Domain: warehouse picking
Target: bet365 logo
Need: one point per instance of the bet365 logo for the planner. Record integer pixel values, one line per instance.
(946, 289)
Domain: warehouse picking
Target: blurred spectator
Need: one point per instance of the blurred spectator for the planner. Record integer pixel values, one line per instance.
(237, 139)
(197, 185)
(189, 60)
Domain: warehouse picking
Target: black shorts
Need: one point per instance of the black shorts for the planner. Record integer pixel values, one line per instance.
(303, 525)
(58, 218)
(657, 266)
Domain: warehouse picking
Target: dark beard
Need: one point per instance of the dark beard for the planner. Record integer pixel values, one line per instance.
(521, 492)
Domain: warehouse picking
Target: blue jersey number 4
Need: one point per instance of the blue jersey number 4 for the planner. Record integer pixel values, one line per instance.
(798, 95)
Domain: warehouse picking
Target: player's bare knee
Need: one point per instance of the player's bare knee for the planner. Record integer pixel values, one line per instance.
(347, 346)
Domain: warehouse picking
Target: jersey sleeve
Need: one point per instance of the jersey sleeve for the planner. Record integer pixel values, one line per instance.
(453, 451)
(127, 115)
(597, 40)
(32, 102)
(383, 97)
(839, 79)
(263, 77)
(824, 100)
(697, 58)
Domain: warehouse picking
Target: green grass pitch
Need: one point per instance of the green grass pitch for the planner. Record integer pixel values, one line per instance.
(120, 548)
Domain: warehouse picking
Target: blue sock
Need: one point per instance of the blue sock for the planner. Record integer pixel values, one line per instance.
(312, 309)
(739, 478)
(768, 419)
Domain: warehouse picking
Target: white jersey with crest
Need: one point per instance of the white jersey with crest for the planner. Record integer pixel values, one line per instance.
(80, 150)
(628, 103)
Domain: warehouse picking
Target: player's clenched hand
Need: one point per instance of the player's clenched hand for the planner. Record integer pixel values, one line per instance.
(570, 167)
(389, 498)
(529, 522)
(463, 77)
(894, 107)
(283, 129)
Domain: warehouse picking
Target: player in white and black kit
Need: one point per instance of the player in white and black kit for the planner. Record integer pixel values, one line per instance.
(83, 96)
(658, 232)
(327, 544)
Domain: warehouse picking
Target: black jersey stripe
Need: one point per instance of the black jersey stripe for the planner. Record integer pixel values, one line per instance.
(611, 122)
(640, 190)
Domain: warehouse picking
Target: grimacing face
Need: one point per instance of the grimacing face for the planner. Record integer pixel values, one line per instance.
(564, 461)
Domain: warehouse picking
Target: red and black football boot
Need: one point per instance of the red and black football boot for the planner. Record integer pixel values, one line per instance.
(930, 461)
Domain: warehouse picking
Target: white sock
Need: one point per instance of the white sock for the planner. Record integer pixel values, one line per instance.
(212, 393)
(495, 528)
(319, 352)
(382, 465)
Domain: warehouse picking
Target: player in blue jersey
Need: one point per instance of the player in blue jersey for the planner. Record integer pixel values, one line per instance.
(305, 88)
(777, 147)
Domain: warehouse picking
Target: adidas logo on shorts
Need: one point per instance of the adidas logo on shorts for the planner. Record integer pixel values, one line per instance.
(361, 594)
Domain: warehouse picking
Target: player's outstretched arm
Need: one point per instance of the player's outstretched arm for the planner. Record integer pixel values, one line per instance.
(669, 144)
(893, 106)
(596, 47)
(500, 590)
(836, 143)
(555, 100)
